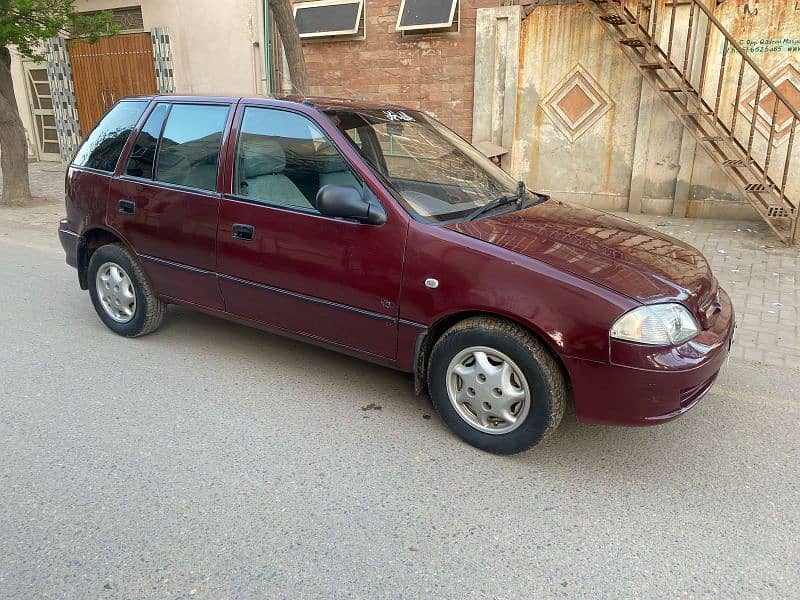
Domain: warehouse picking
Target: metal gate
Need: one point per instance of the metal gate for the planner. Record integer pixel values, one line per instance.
(110, 69)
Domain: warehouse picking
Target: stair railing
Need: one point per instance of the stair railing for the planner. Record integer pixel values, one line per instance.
(687, 48)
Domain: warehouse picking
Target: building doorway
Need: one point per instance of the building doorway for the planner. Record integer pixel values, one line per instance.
(40, 101)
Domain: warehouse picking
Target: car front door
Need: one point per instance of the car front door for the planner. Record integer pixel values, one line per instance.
(165, 200)
(284, 264)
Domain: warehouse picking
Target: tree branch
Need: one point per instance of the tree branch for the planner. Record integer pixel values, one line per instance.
(284, 19)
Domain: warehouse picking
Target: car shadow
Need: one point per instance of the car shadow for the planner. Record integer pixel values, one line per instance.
(241, 339)
(618, 453)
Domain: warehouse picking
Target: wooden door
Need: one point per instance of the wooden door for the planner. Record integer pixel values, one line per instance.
(110, 69)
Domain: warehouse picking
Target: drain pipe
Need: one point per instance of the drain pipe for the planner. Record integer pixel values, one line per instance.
(267, 52)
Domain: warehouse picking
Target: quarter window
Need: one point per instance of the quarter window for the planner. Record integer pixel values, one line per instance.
(102, 148)
(188, 154)
(282, 158)
(143, 154)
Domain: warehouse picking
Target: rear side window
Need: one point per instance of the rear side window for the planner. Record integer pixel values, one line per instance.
(143, 154)
(189, 151)
(102, 148)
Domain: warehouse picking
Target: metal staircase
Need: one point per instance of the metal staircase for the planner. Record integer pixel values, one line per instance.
(675, 46)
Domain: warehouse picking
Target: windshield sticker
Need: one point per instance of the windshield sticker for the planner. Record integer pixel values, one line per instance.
(397, 115)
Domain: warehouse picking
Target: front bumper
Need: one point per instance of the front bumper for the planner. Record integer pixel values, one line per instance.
(70, 242)
(645, 385)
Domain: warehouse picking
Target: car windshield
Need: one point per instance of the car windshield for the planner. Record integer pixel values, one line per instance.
(435, 174)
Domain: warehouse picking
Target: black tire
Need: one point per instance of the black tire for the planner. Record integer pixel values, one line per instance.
(150, 310)
(545, 380)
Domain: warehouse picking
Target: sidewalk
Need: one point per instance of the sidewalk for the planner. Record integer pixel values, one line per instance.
(761, 275)
(47, 187)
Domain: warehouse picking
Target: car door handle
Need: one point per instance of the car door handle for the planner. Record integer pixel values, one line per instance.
(126, 206)
(243, 232)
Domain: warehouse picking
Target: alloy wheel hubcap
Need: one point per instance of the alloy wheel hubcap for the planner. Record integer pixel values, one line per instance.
(116, 292)
(488, 390)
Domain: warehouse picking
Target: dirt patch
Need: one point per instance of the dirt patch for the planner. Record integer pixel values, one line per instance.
(32, 202)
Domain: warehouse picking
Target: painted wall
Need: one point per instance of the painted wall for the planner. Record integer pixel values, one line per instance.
(568, 70)
(770, 33)
(212, 41)
(216, 46)
(588, 130)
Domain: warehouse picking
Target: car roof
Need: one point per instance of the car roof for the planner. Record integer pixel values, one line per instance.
(325, 103)
(318, 102)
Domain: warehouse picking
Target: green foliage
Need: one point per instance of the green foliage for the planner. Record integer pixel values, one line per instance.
(25, 23)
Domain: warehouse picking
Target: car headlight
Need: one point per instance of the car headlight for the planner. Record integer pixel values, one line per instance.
(657, 324)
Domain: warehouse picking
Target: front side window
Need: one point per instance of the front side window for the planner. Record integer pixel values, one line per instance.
(435, 174)
(143, 153)
(102, 148)
(282, 158)
(188, 154)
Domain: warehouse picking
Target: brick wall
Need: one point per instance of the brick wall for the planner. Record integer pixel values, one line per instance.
(433, 72)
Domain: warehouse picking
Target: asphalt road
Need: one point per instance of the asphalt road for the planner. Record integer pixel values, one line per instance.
(210, 460)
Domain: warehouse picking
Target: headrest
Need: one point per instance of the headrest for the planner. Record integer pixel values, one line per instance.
(335, 165)
(328, 160)
(261, 156)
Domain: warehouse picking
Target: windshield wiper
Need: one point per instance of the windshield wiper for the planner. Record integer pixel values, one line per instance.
(519, 198)
(501, 201)
(539, 199)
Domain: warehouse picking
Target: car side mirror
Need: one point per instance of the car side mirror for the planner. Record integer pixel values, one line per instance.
(346, 202)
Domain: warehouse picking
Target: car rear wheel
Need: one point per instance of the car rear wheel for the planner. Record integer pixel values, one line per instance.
(495, 385)
(121, 294)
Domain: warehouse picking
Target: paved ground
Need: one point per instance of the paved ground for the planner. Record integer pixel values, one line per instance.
(210, 460)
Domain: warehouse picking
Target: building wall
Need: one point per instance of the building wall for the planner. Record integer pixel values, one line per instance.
(212, 41)
(431, 71)
(216, 46)
(636, 155)
(770, 33)
(590, 164)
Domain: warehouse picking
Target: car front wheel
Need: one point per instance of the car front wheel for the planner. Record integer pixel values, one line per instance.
(495, 385)
(121, 294)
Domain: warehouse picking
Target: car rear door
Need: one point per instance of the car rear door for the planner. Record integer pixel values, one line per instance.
(284, 264)
(164, 200)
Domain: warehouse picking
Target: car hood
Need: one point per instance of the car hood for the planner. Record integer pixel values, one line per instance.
(618, 254)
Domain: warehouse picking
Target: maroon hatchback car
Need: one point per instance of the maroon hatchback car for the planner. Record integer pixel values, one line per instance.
(376, 231)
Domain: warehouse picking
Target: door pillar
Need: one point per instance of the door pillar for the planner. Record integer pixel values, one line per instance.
(62, 89)
(162, 58)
